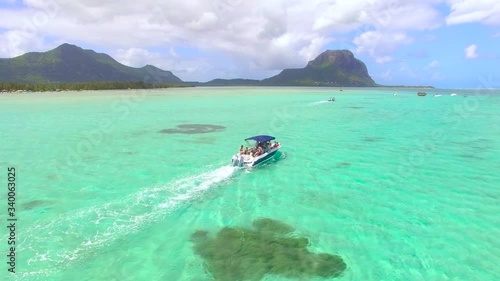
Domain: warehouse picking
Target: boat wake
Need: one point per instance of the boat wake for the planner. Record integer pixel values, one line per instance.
(280, 155)
(317, 102)
(53, 244)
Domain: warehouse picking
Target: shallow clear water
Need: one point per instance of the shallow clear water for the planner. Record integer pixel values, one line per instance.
(400, 187)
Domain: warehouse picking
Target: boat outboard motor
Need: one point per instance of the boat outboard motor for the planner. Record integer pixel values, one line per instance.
(235, 160)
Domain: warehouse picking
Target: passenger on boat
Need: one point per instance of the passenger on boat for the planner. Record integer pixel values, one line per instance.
(259, 151)
(241, 149)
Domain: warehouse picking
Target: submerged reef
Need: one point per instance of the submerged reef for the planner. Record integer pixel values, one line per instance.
(191, 129)
(237, 253)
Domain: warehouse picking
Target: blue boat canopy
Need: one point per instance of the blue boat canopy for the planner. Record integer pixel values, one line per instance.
(261, 138)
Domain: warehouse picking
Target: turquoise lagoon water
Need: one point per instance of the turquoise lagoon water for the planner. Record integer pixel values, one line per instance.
(400, 187)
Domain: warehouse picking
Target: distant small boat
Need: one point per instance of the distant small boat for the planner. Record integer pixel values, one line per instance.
(395, 94)
(422, 94)
(453, 94)
(437, 95)
(331, 99)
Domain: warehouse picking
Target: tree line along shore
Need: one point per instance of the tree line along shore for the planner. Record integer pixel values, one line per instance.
(9, 87)
(18, 87)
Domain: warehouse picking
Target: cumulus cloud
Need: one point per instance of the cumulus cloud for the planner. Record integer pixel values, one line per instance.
(388, 25)
(386, 15)
(188, 69)
(380, 45)
(265, 35)
(471, 52)
(137, 57)
(18, 42)
(466, 11)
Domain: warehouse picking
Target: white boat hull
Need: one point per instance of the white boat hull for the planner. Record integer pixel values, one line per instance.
(244, 160)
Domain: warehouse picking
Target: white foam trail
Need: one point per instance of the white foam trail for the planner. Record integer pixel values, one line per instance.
(55, 243)
(318, 102)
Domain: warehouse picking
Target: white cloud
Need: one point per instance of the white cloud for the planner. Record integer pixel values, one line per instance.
(260, 35)
(18, 42)
(186, 69)
(466, 11)
(206, 22)
(381, 45)
(407, 16)
(137, 57)
(471, 52)
(380, 15)
(316, 47)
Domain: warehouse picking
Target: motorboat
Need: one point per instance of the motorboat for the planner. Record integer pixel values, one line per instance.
(453, 94)
(421, 94)
(437, 95)
(260, 150)
(331, 99)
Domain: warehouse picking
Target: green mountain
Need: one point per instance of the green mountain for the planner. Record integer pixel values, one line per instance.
(331, 68)
(232, 82)
(69, 63)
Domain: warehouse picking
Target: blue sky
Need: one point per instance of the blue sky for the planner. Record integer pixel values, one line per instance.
(444, 43)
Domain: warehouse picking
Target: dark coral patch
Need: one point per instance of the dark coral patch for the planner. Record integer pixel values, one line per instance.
(237, 253)
(372, 139)
(199, 235)
(34, 204)
(343, 164)
(192, 129)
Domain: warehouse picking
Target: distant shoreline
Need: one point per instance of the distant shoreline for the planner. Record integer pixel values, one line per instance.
(411, 87)
(14, 87)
